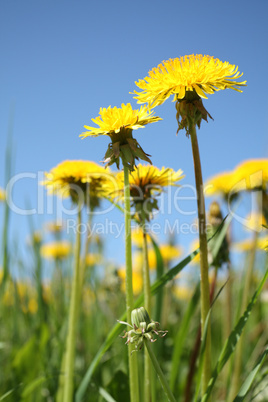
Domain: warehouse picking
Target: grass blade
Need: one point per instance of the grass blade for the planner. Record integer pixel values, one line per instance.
(250, 378)
(181, 335)
(159, 274)
(231, 342)
(105, 395)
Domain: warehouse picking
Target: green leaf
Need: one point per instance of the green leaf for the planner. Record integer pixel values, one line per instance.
(250, 378)
(33, 386)
(159, 274)
(106, 396)
(6, 395)
(231, 342)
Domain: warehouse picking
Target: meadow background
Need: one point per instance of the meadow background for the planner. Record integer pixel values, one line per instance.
(63, 60)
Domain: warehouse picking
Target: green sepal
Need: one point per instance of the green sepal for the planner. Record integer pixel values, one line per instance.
(190, 110)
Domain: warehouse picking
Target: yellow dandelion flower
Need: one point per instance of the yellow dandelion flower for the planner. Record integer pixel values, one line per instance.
(221, 183)
(93, 259)
(118, 124)
(146, 180)
(255, 222)
(194, 73)
(78, 179)
(112, 120)
(2, 195)
(252, 174)
(168, 252)
(60, 249)
(248, 244)
(136, 280)
(182, 292)
(263, 243)
(32, 306)
(137, 237)
(146, 183)
(54, 227)
(249, 175)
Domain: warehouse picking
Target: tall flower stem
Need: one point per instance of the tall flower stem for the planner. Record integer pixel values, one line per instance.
(133, 363)
(204, 283)
(159, 372)
(147, 305)
(73, 315)
(86, 250)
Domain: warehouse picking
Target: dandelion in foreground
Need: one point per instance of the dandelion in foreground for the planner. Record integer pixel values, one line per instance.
(118, 124)
(189, 79)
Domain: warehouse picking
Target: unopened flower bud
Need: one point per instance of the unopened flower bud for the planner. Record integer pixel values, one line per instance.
(138, 316)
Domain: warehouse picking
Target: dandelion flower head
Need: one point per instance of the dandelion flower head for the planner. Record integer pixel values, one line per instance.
(146, 181)
(198, 73)
(70, 176)
(56, 250)
(252, 174)
(113, 120)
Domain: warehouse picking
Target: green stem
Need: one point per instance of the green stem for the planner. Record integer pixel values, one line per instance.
(86, 250)
(147, 305)
(73, 315)
(159, 372)
(204, 283)
(133, 362)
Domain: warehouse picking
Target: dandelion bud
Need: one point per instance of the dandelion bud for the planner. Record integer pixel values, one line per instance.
(139, 316)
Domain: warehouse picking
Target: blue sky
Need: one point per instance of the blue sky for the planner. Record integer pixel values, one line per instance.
(63, 60)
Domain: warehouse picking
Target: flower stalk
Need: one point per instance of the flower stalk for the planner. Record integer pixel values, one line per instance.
(73, 316)
(147, 305)
(133, 363)
(204, 282)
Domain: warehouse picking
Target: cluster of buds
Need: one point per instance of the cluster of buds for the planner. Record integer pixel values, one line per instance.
(143, 328)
